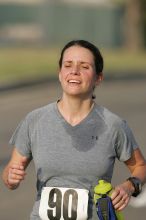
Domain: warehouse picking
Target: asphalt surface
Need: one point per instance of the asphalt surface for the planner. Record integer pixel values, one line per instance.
(126, 98)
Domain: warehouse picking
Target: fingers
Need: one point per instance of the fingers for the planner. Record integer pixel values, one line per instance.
(17, 166)
(16, 174)
(120, 198)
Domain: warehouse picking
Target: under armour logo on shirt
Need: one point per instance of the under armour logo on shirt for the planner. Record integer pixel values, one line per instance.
(94, 137)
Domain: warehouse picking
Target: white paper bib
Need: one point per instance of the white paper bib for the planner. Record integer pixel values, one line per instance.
(59, 203)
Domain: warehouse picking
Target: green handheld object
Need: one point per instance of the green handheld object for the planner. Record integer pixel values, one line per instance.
(105, 188)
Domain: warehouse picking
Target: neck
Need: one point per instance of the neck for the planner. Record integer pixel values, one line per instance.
(74, 109)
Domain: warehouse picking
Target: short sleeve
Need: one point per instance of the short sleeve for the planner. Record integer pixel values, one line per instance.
(125, 142)
(21, 139)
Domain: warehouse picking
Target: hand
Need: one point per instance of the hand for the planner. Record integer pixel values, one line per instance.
(121, 196)
(16, 173)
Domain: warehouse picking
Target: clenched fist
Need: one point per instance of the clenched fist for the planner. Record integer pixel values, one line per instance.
(16, 174)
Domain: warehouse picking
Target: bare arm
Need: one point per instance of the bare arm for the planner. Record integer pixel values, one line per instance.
(122, 193)
(137, 165)
(14, 172)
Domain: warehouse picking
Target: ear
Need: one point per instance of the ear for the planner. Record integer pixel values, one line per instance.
(59, 75)
(99, 79)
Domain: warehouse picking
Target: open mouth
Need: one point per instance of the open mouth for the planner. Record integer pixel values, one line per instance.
(74, 81)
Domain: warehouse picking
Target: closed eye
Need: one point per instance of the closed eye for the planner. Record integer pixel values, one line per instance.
(67, 65)
(85, 67)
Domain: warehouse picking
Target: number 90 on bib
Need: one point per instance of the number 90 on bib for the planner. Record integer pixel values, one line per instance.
(58, 203)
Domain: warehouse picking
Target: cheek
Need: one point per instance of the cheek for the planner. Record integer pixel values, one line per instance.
(62, 76)
(91, 77)
(63, 73)
(92, 81)
(59, 76)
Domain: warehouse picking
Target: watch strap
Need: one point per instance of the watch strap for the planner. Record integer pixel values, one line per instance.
(136, 184)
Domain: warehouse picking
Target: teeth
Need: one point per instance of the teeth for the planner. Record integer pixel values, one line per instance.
(74, 81)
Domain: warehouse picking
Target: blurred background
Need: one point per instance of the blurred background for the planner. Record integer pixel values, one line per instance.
(32, 34)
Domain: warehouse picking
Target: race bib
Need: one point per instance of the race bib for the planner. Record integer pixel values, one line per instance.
(59, 203)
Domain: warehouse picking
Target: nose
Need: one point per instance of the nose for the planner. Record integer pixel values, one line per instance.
(75, 69)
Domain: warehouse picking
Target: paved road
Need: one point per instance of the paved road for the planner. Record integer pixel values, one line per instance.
(127, 99)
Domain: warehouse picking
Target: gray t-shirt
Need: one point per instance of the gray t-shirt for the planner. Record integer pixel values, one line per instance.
(73, 156)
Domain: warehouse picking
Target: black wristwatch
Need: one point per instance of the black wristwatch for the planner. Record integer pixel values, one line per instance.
(136, 184)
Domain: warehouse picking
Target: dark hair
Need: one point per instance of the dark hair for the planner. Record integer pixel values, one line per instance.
(98, 59)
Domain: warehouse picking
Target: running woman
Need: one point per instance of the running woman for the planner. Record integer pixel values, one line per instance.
(74, 142)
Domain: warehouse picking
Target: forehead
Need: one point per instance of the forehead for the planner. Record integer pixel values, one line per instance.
(78, 53)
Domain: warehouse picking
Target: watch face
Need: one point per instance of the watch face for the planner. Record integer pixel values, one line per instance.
(137, 185)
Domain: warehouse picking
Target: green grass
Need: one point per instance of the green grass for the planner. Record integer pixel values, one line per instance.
(19, 64)
(119, 62)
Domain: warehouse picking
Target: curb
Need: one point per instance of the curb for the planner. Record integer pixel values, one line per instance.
(26, 83)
